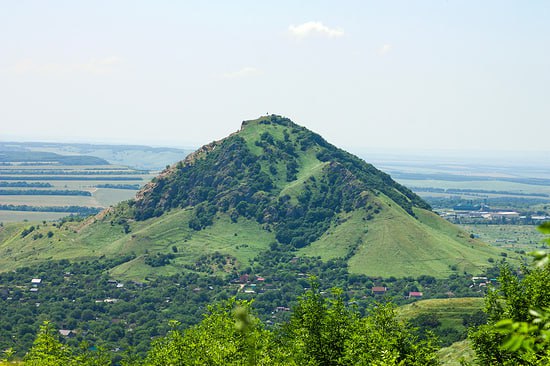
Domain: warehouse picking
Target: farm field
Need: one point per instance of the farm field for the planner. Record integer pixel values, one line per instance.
(484, 171)
(497, 184)
(513, 237)
(477, 185)
(40, 190)
(98, 176)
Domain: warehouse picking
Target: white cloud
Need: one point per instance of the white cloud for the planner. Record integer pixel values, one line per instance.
(385, 49)
(242, 73)
(93, 66)
(310, 28)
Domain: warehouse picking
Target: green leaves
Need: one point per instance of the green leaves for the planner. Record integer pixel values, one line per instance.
(518, 335)
(521, 332)
(541, 257)
(545, 227)
(324, 331)
(8, 355)
(47, 350)
(228, 335)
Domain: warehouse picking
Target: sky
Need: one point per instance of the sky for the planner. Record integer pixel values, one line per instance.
(394, 75)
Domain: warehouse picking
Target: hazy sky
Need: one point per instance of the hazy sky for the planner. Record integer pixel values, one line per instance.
(364, 74)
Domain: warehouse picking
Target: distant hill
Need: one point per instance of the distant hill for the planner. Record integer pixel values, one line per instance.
(271, 185)
(135, 156)
(40, 157)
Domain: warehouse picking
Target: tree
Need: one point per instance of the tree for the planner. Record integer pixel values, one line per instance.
(228, 335)
(47, 350)
(320, 328)
(380, 339)
(323, 331)
(518, 329)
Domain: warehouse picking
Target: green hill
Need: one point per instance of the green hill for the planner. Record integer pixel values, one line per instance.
(451, 313)
(272, 183)
(449, 319)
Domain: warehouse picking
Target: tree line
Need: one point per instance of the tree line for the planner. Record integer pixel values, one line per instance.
(322, 330)
(44, 192)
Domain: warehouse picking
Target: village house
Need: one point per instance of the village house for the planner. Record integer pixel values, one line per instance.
(36, 281)
(282, 308)
(480, 281)
(67, 333)
(379, 290)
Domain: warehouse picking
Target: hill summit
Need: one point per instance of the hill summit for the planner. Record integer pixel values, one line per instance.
(287, 178)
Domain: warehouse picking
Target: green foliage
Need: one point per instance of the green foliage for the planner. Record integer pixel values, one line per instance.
(545, 229)
(517, 333)
(27, 231)
(228, 335)
(203, 215)
(159, 259)
(320, 328)
(326, 332)
(47, 349)
(321, 332)
(382, 340)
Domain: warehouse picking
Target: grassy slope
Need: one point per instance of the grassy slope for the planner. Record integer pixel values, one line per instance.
(308, 163)
(450, 313)
(416, 248)
(452, 355)
(65, 243)
(242, 241)
(339, 239)
(396, 244)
